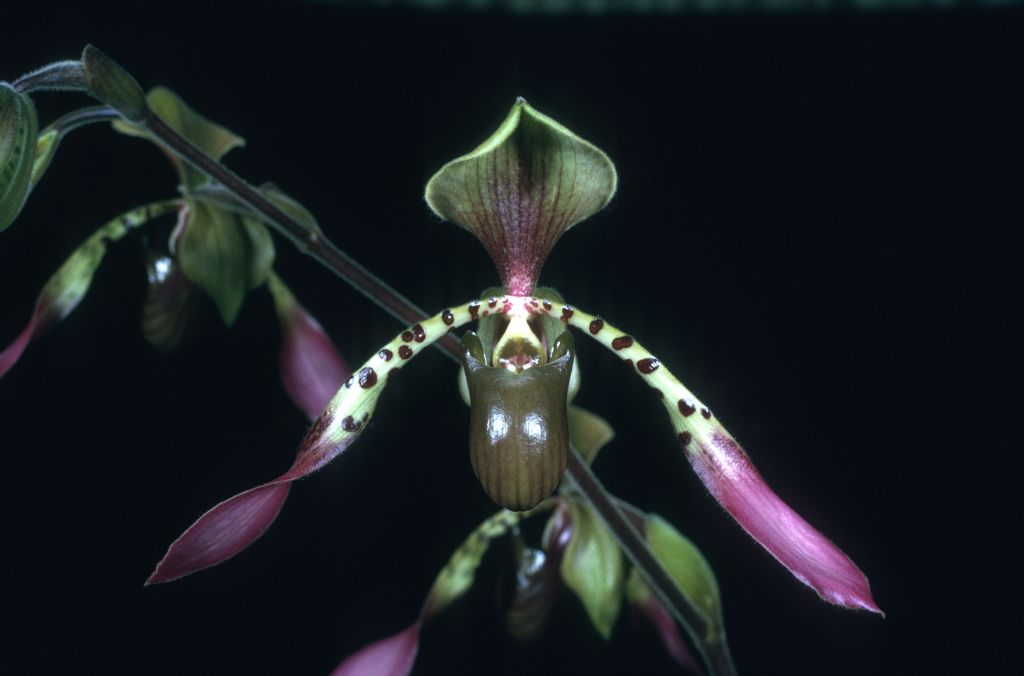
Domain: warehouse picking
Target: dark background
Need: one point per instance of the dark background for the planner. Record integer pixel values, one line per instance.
(815, 229)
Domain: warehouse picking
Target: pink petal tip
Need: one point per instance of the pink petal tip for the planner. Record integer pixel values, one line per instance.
(222, 532)
(311, 368)
(392, 656)
(732, 479)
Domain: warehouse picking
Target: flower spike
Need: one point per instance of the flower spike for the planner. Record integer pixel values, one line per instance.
(66, 288)
(234, 524)
(730, 476)
(521, 190)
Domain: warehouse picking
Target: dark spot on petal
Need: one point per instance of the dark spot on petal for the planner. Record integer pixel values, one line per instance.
(685, 438)
(706, 412)
(405, 352)
(547, 305)
(567, 311)
(492, 301)
(418, 333)
(629, 362)
(596, 326)
(686, 407)
(486, 312)
(474, 310)
(407, 336)
(368, 377)
(447, 317)
(349, 424)
(622, 342)
(661, 395)
(648, 366)
(348, 383)
(385, 354)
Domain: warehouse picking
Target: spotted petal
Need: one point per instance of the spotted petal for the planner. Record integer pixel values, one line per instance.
(732, 479)
(521, 190)
(234, 524)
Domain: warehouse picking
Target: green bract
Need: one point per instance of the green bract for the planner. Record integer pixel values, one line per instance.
(18, 129)
(521, 189)
(593, 567)
(687, 566)
(223, 252)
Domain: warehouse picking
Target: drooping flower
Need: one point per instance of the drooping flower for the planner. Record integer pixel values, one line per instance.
(518, 193)
(213, 248)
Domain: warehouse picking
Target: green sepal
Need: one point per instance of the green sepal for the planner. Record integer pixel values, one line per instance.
(261, 247)
(588, 432)
(111, 84)
(19, 126)
(210, 137)
(223, 255)
(687, 566)
(521, 189)
(593, 568)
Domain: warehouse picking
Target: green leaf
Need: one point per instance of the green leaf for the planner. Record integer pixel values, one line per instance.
(521, 190)
(216, 253)
(211, 138)
(686, 565)
(588, 432)
(593, 568)
(18, 128)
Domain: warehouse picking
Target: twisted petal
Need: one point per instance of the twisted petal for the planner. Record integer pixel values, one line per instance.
(311, 368)
(66, 288)
(731, 478)
(234, 524)
(394, 655)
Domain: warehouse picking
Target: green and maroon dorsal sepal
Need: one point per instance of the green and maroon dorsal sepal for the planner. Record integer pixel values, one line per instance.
(521, 189)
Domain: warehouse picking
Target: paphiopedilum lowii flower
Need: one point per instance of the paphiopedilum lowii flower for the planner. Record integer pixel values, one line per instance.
(211, 248)
(518, 193)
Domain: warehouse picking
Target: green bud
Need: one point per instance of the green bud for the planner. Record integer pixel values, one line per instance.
(107, 81)
(18, 129)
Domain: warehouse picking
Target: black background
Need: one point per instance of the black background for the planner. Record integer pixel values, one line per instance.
(815, 229)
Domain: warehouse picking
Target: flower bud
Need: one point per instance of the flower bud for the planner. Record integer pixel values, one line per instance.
(18, 129)
(107, 81)
(518, 431)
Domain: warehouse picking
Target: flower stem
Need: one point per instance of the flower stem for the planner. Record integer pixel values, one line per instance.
(313, 243)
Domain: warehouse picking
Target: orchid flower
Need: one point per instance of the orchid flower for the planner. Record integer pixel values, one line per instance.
(518, 193)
